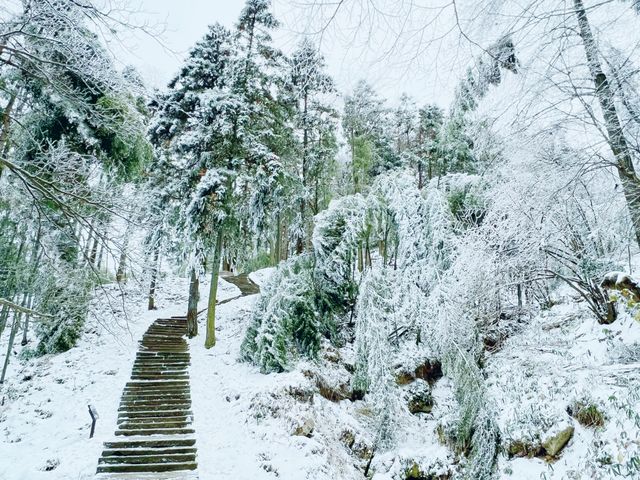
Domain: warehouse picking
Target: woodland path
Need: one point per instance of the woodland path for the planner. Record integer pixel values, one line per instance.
(155, 436)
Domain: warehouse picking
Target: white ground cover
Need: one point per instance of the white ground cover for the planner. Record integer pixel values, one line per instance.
(255, 426)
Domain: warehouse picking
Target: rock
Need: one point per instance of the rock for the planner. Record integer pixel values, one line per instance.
(333, 391)
(430, 371)
(520, 448)
(420, 399)
(404, 378)
(554, 444)
(306, 428)
(414, 472)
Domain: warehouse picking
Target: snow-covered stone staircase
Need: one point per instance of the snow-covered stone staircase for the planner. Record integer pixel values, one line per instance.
(155, 436)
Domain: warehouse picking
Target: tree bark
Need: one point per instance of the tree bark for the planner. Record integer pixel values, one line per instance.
(213, 291)
(278, 247)
(192, 309)
(6, 121)
(12, 337)
(4, 314)
(154, 277)
(121, 273)
(616, 139)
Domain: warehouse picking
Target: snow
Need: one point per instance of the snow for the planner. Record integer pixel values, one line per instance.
(44, 403)
(246, 422)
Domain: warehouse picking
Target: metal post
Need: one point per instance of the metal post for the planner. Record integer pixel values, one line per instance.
(94, 416)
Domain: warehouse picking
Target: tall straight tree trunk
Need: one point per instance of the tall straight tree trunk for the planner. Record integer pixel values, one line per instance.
(121, 273)
(303, 240)
(4, 315)
(278, 247)
(6, 121)
(93, 254)
(616, 139)
(213, 291)
(192, 308)
(12, 337)
(154, 277)
(36, 254)
(25, 330)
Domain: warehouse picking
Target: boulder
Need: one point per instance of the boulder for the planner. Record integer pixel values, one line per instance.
(430, 371)
(555, 442)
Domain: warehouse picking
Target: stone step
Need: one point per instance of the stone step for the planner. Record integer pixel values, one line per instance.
(157, 431)
(150, 408)
(148, 451)
(160, 371)
(151, 443)
(152, 402)
(153, 425)
(159, 398)
(156, 391)
(160, 365)
(158, 467)
(155, 413)
(149, 459)
(161, 376)
(157, 394)
(177, 402)
(166, 368)
(161, 361)
(147, 420)
(160, 355)
(172, 383)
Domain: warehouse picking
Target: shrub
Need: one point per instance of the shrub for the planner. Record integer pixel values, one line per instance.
(587, 413)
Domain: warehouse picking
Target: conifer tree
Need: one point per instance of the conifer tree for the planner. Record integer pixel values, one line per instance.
(314, 126)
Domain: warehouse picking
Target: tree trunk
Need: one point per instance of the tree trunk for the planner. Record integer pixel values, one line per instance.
(192, 309)
(616, 139)
(154, 277)
(121, 273)
(94, 250)
(4, 133)
(4, 314)
(278, 246)
(12, 337)
(213, 290)
(25, 330)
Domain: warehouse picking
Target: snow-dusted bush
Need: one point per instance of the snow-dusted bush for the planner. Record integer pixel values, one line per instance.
(374, 352)
(66, 299)
(285, 321)
(337, 236)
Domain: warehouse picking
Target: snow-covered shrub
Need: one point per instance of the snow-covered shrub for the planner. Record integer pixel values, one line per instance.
(337, 236)
(466, 198)
(374, 372)
(66, 300)
(285, 321)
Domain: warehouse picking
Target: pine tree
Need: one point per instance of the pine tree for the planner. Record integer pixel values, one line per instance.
(314, 127)
(224, 123)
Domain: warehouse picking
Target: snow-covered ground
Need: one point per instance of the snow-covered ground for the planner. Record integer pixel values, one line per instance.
(255, 426)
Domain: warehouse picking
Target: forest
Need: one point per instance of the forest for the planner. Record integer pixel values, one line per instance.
(268, 267)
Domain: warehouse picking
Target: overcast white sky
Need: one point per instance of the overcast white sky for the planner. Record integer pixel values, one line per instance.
(355, 46)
